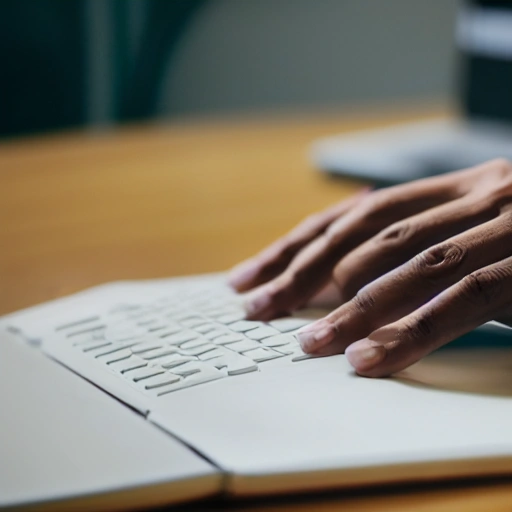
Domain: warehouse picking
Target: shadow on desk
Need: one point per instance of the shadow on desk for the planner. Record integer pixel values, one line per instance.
(476, 371)
(477, 363)
(483, 493)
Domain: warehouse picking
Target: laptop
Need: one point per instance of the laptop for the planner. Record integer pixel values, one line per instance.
(482, 131)
(149, 393)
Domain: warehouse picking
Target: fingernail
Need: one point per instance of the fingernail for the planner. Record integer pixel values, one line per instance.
(365, 354)
(315, 335)
(257, 302)
(242, 274)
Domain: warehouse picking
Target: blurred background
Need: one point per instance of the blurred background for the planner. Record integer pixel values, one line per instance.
(98, 63)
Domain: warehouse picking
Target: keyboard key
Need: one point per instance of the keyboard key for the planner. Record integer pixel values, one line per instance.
(301, 356)
(295, 351)
(279, 340)
(228, 338)
(206, 374)
(197, 351)
(175, 360)
(211, 354)
(112, 357)
(160, 380)
(242, 346)
(144, 373)
(149, 321)
(127, 365)
(170, 328)
(184, 371)
(206, 327)
(289, 324)
(158, 353)
(86, 330)
(115, 347)
(87, 337)
(183, 316)
(244, 325)
(157, 327)
(139, 314)
(140, 348)
(124, 331)
(230, 318)
(215, 307)
(180, 337)
(262, 354)
(234, 363)
(194, 343)
(216, 333)
(76, 323)
(125, 308)
(262, 332)
(194, 322)
(93, 345)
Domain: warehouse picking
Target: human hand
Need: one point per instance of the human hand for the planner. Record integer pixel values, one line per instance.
(416, 265)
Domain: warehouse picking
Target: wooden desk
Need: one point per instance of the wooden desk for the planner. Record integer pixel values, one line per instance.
(187, 197)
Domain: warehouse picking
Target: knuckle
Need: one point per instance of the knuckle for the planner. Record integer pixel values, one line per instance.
(420, 329)
(483, 286)
(440, 260)
(363, 301)
(396, 234)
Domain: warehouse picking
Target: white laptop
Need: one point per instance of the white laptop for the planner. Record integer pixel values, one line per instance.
(157, 392)
(482, 132)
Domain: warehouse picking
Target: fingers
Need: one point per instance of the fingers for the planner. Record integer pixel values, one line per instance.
(312, 268)
(274, 259)
(405, 239)
(408, 287)
(478, 298)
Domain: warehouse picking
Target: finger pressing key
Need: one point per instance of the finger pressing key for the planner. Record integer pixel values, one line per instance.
(479, 297)
(408, 287)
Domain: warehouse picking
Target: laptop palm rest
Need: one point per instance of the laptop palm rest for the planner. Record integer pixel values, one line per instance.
(318, 425)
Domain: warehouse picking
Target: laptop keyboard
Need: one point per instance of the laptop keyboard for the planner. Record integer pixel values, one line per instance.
(188, 337)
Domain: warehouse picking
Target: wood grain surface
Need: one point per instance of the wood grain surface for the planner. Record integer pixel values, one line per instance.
(185, 197)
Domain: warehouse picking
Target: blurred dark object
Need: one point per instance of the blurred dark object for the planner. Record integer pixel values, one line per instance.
(43, 50)
(486, 67)
(138, 84)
